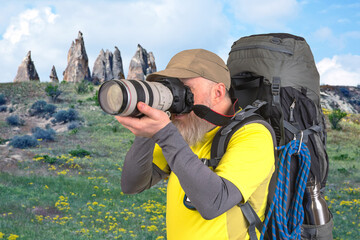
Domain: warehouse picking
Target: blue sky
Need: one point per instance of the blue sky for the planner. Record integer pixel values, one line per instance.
(165, 27)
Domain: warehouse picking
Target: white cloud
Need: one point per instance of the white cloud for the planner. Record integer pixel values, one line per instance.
(340, 70)
(28, 22)
(162, 26)
(264, 13)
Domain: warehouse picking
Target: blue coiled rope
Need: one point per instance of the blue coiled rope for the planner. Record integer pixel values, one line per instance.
(288, 225)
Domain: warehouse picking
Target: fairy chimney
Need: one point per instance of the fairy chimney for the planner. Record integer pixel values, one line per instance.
(141, 64)
(118, 70)
(27, 71)
(107, 66)
(53, 75)
(78, 63)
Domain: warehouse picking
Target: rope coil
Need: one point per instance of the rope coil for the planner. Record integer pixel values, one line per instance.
(288, 224)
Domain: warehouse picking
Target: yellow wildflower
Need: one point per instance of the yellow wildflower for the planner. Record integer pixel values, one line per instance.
(13, 237)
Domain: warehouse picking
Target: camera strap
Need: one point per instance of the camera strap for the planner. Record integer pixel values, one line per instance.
(212, 116)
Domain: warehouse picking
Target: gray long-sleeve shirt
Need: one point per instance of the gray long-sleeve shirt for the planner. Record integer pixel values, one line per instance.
(211, 194)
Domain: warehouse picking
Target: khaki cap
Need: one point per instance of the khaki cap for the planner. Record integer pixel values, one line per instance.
(195, 63)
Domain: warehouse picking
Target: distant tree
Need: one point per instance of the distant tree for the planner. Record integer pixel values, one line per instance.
(84, 87)
(335, 117)
(53, 91)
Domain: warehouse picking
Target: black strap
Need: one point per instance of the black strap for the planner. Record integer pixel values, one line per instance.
(306, 132)
(211, 116)
(252, 218)
(240, 119)
(275, 91)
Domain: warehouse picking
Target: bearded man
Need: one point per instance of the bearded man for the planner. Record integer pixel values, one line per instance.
(201, 202)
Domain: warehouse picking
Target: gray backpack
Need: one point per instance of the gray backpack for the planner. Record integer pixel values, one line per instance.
(274, 76)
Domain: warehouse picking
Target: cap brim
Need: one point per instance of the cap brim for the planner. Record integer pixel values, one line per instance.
(173, 72)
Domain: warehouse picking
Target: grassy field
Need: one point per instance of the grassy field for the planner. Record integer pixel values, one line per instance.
(69, 188)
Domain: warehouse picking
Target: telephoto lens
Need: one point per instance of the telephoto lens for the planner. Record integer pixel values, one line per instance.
(120, 97)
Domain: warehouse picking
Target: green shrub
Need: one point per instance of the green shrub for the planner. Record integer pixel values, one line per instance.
(44, 134)
(38, 107)
(79, 152)
(66, 116)
(42, 108)
(2, 99)
(94, 98)
(335, 117)
(74, 131)
(53, 91)
(25, 141)
(3, 141)
(50, 109)
(15, 120)
(73, 125)
(48, 159)
(83, 87)
(3, 108)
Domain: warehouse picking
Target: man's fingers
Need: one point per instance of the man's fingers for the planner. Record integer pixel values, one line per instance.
(149, 124)
(145, 109)
(127, 121)
(152, 113)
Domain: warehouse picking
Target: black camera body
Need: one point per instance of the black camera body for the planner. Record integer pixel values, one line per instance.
(183, 98)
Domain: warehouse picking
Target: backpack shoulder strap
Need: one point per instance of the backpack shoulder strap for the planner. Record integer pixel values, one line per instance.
(240, 119)
(252, 218)
(219, 146)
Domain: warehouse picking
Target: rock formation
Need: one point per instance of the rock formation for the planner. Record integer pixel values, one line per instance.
(27, 71)
(53, 75)
(107, 66)
(118, 70)
(78, 63)
(99, 72)
(344, 98)
(141, 64)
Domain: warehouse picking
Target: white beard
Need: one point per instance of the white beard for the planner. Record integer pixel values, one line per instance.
(192, 128)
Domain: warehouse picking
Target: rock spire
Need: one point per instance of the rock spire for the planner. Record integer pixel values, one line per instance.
(27, 71)
(141, 64)
(78, 63)
(53, 75)
(108, 66)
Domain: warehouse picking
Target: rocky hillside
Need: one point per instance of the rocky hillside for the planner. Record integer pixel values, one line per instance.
(345, 98)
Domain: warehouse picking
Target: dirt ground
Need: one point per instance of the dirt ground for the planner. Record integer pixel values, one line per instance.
(9, 156)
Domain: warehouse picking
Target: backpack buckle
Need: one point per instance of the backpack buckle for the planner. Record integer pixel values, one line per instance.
(205, 161)
(275, 88)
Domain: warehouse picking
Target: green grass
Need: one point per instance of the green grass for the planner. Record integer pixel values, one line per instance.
(343, 187)
(54, 195)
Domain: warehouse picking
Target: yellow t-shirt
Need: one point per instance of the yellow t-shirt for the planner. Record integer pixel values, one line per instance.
(248, 163)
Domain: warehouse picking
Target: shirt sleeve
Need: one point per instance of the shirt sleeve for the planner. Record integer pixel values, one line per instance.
(139, 172)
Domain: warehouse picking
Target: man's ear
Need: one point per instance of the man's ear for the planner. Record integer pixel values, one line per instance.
(218, 93)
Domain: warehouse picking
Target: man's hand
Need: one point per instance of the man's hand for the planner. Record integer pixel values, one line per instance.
(146, 126)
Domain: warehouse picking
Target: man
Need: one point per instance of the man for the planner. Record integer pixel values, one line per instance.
(201, 203)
